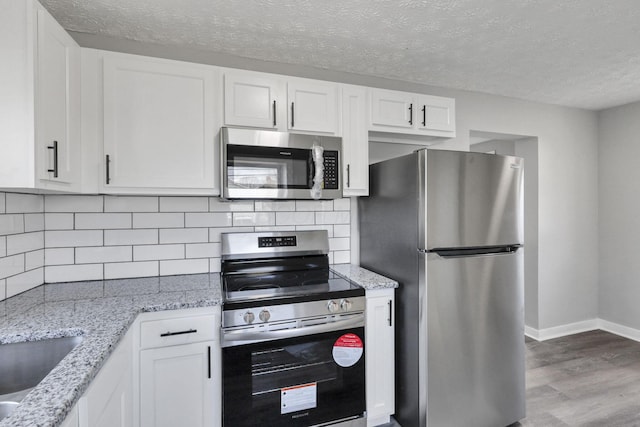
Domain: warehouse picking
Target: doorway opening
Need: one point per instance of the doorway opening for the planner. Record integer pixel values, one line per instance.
(527, 148)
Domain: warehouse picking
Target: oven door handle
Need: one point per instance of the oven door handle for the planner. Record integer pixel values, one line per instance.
(243, 336)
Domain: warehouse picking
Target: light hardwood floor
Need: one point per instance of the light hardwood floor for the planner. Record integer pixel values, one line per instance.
(584, 380)
(588, 379)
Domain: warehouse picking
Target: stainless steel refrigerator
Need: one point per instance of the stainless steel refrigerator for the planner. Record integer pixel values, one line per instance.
(448, 226)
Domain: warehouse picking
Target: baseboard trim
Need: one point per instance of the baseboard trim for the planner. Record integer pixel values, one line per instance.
(584, 326)
(562, 330)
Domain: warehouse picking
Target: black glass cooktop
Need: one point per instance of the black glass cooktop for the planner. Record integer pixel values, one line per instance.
(290, 279)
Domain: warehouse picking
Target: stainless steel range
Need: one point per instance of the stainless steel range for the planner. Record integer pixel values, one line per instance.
(292, 333)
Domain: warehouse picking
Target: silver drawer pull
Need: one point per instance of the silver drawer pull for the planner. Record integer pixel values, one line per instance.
(170, 334)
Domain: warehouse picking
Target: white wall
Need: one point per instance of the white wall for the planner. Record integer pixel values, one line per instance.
(619, 186)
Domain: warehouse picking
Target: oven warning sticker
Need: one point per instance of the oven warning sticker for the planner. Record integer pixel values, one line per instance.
(347, 350)
(298, 398)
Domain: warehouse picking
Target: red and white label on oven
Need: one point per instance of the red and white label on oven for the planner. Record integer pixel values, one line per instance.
(347, 350)
(298, 397)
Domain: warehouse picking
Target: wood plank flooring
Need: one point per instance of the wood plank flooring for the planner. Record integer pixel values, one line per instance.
(588, 379)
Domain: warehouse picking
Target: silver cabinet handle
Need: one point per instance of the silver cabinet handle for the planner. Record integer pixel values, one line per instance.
(108, 163)
(410, 114)
(348, 176)
(292, 116)
(274, 113)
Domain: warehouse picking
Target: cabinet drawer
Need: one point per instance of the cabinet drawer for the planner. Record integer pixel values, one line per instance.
(182, 330)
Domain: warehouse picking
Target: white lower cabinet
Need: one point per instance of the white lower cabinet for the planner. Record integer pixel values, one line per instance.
(109, 400)
(180, 378)
(380, 359)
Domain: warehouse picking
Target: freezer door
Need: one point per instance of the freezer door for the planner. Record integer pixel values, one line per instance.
(472, 199)
(475, 323)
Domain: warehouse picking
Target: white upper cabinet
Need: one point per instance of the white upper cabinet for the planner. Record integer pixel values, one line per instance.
(40, 123)
(253, 100)
(410, 113)
(159, 126)
(355, 141)
(313, 106)
(281, 103)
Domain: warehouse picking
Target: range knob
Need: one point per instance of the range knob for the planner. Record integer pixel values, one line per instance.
(332, 306)
(346, 305)
(249, 317)
(264, 315)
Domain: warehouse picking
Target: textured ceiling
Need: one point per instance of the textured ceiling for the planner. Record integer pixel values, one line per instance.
(580, 53)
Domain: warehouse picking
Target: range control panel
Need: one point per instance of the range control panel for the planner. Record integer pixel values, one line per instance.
(276, 242)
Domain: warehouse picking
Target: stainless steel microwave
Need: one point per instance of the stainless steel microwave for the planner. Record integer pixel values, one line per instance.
(263, 164)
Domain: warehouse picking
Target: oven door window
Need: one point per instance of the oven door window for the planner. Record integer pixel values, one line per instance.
(268, 167)
(294, 382)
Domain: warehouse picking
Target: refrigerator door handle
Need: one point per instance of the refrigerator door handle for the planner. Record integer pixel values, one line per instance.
(470, 252)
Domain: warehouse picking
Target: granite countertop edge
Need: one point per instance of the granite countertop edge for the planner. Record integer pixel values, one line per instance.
(102, 312)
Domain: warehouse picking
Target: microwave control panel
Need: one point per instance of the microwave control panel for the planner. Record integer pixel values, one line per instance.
(330, 162)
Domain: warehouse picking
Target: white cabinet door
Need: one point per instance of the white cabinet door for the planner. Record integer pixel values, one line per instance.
(177, 386)
(57, 99)
(253, 99)
(109, 400)
(436, 113)
(380, 372)
(313, 106)
(392, 109)
(355, 142)
(159, 125)
(39, 82)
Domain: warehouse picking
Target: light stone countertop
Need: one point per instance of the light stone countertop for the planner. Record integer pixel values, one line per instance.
(102, 312)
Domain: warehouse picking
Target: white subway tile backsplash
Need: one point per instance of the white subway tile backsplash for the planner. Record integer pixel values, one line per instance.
(57, 238)
(295, 218)
(274, 205)
(24, 203)
(58, 221)
(73, 273)
(59, 256)
(185, 266)
(158, 252)
(342, 204)
(217, 205)
(247, 219)
(314, 205)
(339, 244)
(214, 265)
(210, 219)
(100, 221)
(11, 224)
(64, 203)
(184, 204)
(24, 281)
(184, 235)
(329, 228)
(102, 254)
(122, 270)
(25, 242)
(203, 250)
(130, 237)
(72, 238)
(11, 265)
(34, 259)
(342, 230)
(33, 222)
(214, 233)
(333, 218)
(341, 257)
(158, 220)
(130, 204)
